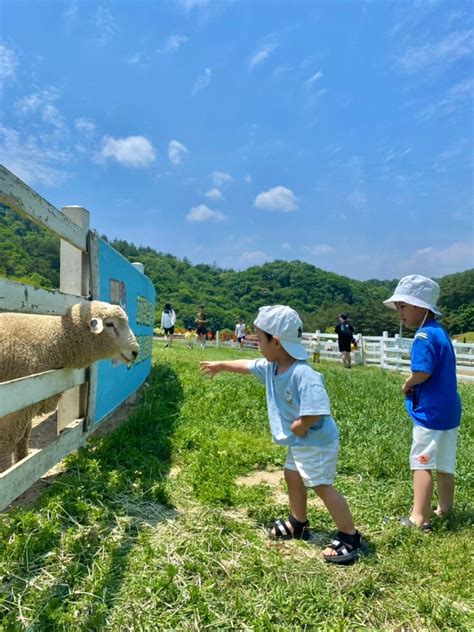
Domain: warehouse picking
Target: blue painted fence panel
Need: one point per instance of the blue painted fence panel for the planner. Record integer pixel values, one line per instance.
(121, 284)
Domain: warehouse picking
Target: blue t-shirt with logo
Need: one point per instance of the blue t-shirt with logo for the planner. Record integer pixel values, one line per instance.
(296, 392)
(435, 404)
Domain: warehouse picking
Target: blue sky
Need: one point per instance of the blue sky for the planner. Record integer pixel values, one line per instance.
(337, 133)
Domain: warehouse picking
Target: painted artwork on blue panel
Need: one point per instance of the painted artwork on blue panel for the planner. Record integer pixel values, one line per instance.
(122, 284)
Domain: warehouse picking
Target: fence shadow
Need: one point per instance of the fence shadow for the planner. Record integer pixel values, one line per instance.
(110, 491)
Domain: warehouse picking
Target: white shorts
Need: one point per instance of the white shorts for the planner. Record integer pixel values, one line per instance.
(315, 464)
(434, 449)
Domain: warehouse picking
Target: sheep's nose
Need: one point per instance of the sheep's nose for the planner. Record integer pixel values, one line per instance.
(134, 354)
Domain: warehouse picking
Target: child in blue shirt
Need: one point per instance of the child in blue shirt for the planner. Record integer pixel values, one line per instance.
(432, 400)
(300, 418)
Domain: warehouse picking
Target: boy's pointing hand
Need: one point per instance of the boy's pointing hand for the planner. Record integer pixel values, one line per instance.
(209, 368)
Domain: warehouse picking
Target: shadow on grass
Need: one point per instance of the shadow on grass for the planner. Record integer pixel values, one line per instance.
(457, 520)
(93, 514)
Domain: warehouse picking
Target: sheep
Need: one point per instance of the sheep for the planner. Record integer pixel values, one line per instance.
(31, 343)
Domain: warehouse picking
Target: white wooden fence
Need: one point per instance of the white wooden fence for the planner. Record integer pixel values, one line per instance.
(388, 353)
(79, 280)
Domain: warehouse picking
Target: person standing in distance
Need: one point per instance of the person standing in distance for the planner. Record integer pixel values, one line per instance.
(345, 333)
(240, 333)
(201, 326)
(168, 321)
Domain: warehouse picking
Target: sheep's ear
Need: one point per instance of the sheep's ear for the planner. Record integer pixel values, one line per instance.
(97, 325)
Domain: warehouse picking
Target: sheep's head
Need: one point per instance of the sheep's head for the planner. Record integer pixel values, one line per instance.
(115, 339)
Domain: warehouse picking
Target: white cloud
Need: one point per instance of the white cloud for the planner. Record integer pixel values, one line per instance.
(105, 24)
(8, 64)
(134, 59)
(37, 101)
(36, 160)
(254, 257)
(261, 55)
(318, 75)
(214, 194)
(248, 179)
(434, 261)
(203, 213)
(397, 154)
(42, 103)
(132, 151)
(176, 151)
(320, 249)
(455, 46)
(220, 178)
(85, 126)
(173, 43)
(202, 81)
(458, 96)
(282, 69)
(277, 199)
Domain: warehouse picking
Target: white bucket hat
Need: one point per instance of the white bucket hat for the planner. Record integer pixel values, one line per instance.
(284, 322)
(417, 290)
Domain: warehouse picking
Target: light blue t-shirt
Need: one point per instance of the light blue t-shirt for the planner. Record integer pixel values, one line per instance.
(435, 403)
(296, 392)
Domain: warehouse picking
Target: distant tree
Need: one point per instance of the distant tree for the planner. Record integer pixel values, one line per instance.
(31, 254)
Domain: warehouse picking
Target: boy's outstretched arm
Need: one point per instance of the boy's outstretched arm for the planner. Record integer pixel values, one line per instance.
(233, 366)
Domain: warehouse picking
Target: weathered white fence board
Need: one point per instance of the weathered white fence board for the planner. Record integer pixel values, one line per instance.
(25, 391)
(19, 297)
(19, 197)
(22, 475)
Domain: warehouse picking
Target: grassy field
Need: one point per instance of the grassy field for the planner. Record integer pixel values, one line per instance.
(152, 528)
(469, 336)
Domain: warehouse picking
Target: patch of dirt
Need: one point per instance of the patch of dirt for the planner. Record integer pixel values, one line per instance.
(43, 433)
(276, 480)
(272, 478)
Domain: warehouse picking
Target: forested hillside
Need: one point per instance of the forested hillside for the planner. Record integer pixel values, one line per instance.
(28, 253)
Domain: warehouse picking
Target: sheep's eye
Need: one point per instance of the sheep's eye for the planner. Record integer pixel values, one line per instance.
(110, 325)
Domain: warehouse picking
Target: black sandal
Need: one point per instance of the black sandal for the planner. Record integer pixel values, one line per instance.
(347, 547)
(281, 531)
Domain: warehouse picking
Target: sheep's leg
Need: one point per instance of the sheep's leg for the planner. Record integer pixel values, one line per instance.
(21, 447)
(6, 457)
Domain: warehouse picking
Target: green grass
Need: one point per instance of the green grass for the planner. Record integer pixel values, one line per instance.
(149, 530)
(469, 336)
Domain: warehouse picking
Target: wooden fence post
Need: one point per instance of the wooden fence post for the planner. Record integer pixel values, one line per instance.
(73, 279)
(361, 344)
(383, 342)
(398, 341)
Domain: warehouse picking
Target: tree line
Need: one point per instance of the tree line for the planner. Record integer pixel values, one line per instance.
(30, 254)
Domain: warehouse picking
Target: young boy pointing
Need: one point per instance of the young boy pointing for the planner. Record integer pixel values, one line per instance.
(300, 418)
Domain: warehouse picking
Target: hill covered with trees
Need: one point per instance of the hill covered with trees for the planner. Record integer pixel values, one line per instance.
(29, 254)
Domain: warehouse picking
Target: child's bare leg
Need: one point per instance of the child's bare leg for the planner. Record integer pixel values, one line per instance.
(298, 498)
(445, 493)
(297, 495)
(337, 506)
(422, 494)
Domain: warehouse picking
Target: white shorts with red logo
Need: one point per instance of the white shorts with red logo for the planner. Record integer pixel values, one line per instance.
(434, 449)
